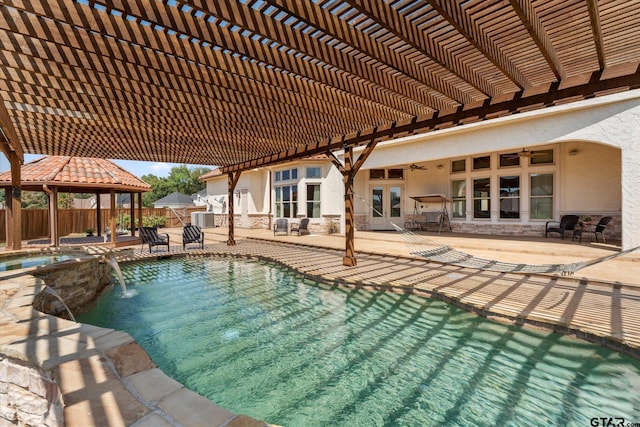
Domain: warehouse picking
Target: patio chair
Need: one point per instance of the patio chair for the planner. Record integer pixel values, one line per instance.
(595, 229)
(151, 237)
(567, 223)
(302, 228)
(281, 226)
(192, 234)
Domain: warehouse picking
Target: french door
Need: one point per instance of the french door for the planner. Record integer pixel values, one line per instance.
(385, 206)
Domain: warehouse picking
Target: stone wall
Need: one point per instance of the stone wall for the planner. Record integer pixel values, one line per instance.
(29, 396)
(77, 282)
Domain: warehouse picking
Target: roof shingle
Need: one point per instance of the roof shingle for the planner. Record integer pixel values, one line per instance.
(84, 173)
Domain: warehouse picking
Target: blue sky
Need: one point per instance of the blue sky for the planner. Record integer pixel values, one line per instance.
(135, 167)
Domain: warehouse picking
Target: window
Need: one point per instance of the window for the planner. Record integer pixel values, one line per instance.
(541, 157)
(314, 172)
(313, 200)
(376, 202)
(396, 202)
(509, 159)
(458, 165)
(395, 173)
(286, 174)
(459, 202)
(541, 196)
(510, 197)
(482, 198)
(286, 201)
(376, 174)
(483, 162)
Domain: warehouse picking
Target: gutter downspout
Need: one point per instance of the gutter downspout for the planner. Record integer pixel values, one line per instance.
(53, 215)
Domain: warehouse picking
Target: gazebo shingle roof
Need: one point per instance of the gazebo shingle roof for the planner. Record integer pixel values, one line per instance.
(90, 174)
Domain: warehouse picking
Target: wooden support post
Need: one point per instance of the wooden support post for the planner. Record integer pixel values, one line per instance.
(14, 205)
(54, 235)
(132, 214)
(139, 213)
(232, 181)
(349, 171)
(112, 217)
(98, 216)
(350, 253)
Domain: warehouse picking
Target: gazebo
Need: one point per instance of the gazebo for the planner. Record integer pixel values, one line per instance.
(64, 174)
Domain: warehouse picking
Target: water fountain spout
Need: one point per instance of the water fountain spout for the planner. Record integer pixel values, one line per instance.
(116, 267)
(51, 291)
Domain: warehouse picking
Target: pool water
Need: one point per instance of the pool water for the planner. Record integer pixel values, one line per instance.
(26, 261)
(262, 341)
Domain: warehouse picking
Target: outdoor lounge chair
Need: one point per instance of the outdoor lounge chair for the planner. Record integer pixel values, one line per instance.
(151, 237)
(302, 228)
(594, 229)
(192, 234)
(567, 223)
(281, 226)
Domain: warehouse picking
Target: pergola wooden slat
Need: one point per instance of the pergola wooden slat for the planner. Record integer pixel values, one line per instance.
(243, 84)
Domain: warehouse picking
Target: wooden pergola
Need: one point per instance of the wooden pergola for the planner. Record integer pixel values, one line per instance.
(247, 84)
(63, 174)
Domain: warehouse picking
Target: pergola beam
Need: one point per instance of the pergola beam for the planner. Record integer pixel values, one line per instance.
(387, 16)
(596, 29)
(527, 15)
(9, 143)
(348, 34)
(520, 102)
(455, 16)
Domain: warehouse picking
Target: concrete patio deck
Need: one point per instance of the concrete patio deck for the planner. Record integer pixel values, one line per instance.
(622, 270)
(106, 376)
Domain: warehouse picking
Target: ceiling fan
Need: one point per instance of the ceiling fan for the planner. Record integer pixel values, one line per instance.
(524, 154)
(413, 167)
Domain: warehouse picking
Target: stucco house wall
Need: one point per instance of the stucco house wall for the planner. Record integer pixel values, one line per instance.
(606, 165)
(254, 195)
(596, 168)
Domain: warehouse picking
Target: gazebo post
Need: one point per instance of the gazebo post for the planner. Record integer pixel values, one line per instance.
(112, 216)
(139, 211)
(132, 214)
(98, 215)
(13, 201)
(53, 215)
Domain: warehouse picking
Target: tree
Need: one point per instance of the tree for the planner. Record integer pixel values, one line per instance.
(65, 200)
(181, 178)
(34, 200)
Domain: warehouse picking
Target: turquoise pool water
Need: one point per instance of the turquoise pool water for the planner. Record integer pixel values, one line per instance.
(26, 261)
(260, 340)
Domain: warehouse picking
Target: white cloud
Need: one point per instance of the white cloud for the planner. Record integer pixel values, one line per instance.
(160, 169)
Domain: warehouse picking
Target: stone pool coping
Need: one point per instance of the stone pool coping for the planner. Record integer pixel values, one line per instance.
(142, 395)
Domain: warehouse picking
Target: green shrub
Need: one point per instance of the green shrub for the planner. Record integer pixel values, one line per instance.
(153, 221)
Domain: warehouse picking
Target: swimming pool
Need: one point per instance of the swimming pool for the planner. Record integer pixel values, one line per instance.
(31, 260)
(261, 340)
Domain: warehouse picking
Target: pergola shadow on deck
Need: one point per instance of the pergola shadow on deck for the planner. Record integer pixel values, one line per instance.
(528, 250)
(592, 305)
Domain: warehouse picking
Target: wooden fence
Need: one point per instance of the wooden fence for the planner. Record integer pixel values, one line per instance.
(35, 222)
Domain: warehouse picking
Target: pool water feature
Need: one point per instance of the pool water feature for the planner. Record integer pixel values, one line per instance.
(31, 260)
(260, 340)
